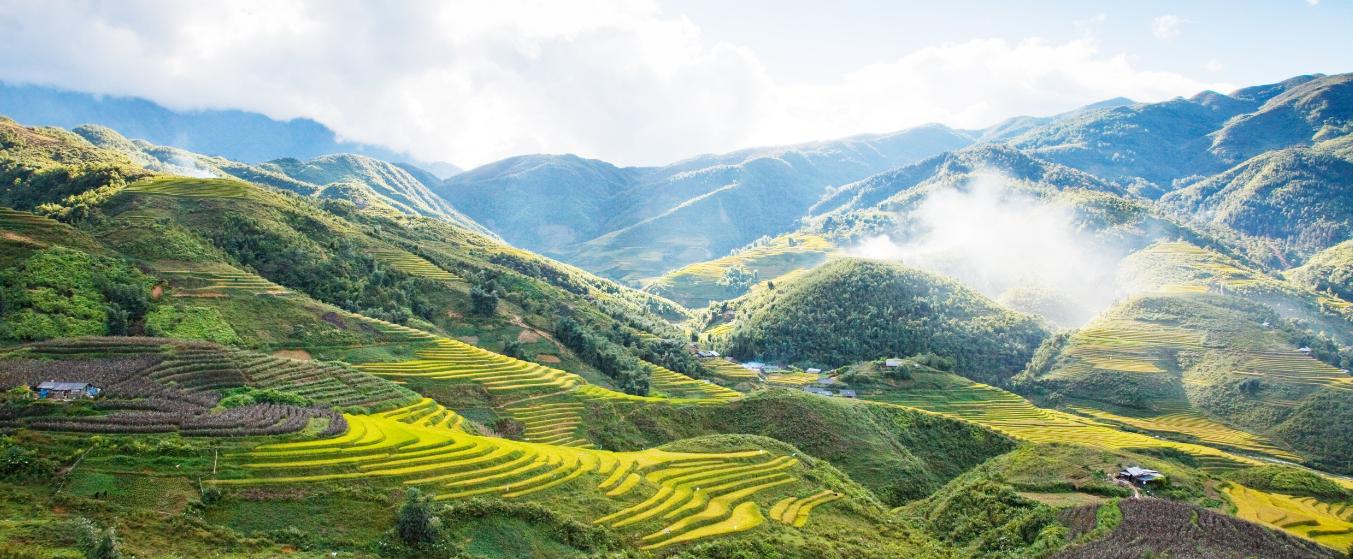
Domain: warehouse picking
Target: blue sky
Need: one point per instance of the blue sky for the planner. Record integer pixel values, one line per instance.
(1250, 41)
(640, 82)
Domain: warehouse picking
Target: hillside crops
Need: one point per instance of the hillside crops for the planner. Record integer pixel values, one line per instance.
(413, 265)
(690, 495)
(1328, 523)
(1017, 417)
(219, 283)
(674, 384)
(794, 380)
(194, 187)
(1195, 425)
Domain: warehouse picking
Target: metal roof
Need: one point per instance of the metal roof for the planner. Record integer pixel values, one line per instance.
(63, 386)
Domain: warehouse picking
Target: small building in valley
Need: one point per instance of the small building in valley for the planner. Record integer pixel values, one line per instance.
(813, 371)
(816, 390)
(54, 390)
(890, 363)
(707, 354)
(1306, 350)
(1139, 476)
(847, 393)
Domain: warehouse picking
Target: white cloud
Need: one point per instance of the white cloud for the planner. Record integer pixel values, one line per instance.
(1214, 65)
(1166, 27)
(471, 82)
(1313, 2)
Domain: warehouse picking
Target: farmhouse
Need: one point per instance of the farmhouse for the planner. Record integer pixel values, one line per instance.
(1306, 350)
(1139, 476)
(54, 390)
(816, 390)
(707, 354)
(813, 371)
(892, 363)
(847, 394)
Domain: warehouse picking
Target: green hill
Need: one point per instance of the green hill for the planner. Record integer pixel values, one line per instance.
(1330, 271)
(849, 310)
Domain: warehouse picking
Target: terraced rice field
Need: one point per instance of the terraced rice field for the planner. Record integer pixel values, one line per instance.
(27, 228)
(794, 380)
(327, 384)
(24, 222)
(195, 188)
(1330, 524)
(730, 371)
(1124, 346)
(1199, 427)
(691, 495)
(220, 283)
(1017, 417)
(456, 361)
(450, 359)
(413, 265)
(555, 423)
(794, 511)
(674, 384)
(1292, 367)
(1187, 268)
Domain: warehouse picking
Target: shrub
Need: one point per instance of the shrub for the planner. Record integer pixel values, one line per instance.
(416, 524)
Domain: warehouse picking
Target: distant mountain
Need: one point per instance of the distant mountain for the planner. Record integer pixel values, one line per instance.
(1289, 202)
(1161, 143)
(541, 202)
(636, 223)
(368, 183)
(239, 135)
(1015, 126)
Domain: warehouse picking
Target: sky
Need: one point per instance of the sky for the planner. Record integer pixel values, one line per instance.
(645, 82)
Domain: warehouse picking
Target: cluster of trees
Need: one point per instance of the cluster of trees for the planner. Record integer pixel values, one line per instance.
(626, 370)
(302, 253)
(60, 292)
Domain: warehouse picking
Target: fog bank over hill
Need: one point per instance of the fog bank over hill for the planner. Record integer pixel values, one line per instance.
(1026, 252)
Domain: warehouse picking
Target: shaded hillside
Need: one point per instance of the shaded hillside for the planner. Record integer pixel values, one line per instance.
(851, 310)
(636, 223)
(1290, 202)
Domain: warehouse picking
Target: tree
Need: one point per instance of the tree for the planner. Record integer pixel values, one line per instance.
(416, 524)
(484, 301)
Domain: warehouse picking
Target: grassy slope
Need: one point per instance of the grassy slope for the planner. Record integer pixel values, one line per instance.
(696, 285)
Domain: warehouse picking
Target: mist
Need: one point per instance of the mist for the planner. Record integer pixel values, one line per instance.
(1023, 251)
(187, 166)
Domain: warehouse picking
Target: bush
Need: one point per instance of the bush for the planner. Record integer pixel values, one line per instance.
(248, 396)
(17, 462)
(484, 301)
(416, 524)
(96, 543)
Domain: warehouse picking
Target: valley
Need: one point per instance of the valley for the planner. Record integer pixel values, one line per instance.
(773, 352)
